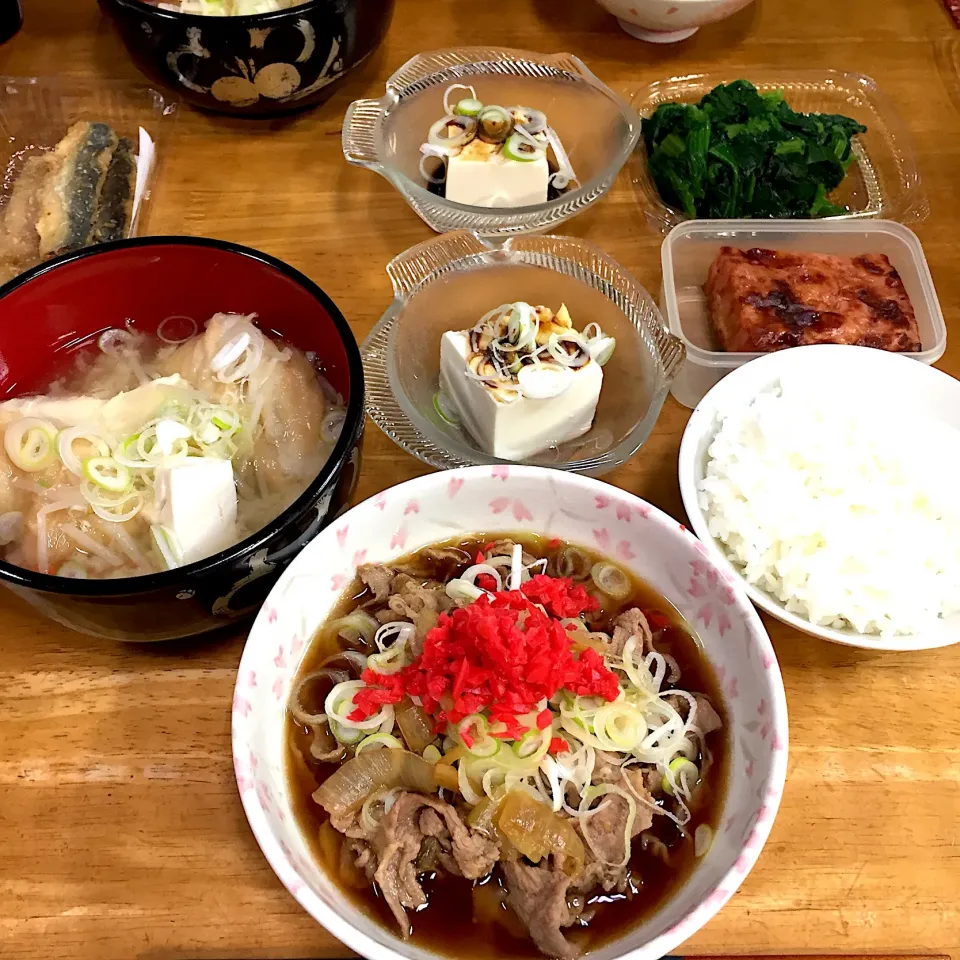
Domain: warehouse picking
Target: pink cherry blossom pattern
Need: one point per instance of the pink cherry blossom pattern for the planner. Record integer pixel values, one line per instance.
(453, 486)
(742, 864)
(623, 513)
(644, 510)
(733, 690)
(768, 661)
(380, 502)
(280, 660)
(601, 501)
(337, 582)
(499, 504)
(277, 688)
(253, 760)
(520, 511)
(411, 507)
(778, 744)
(342, 536)
(623, 550)
(399, 539)
(252, 679)
(762, 707)
(717, 898)
(244, 783)
(359, 557)
(500, 472)
(241, 705)
(296, 645)
(271, 614)
(602, 537)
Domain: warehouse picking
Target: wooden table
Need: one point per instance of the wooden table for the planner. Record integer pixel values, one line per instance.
(121, 833)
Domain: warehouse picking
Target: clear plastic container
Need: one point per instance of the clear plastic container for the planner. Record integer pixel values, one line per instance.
(37, 112)
(690, 248)
(883, 182)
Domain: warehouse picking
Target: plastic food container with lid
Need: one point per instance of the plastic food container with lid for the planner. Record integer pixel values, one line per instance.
(883, 181)
(690, 248)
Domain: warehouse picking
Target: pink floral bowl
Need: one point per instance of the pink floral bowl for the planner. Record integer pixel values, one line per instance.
(669, 21)
(505, 499)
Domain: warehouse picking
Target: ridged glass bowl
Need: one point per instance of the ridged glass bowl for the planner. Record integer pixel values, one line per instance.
(599, 130)
(449, 282)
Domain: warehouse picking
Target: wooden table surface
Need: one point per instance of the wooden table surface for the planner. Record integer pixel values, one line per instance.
(121, 832)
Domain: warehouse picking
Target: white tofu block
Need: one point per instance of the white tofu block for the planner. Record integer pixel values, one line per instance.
(497, 181)
(197, 500)
(523, 427)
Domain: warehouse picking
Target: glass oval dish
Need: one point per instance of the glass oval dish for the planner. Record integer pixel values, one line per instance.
(449, 282)
(597, 127)
(882, 182)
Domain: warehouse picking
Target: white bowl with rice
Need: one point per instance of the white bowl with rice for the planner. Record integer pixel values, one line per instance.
(824, 478)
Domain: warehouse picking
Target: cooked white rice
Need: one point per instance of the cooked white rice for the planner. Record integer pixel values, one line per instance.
(847, 517)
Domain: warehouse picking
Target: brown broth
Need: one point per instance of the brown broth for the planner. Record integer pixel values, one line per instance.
(652, 881)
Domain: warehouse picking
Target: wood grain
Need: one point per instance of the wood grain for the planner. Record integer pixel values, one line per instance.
(120, 829)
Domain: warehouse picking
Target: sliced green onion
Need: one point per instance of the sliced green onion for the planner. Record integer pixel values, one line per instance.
(31, 444)
(494, 123)
(167, 545)
(521, 149)
(444, 410)
(611, 580)
(344, 734)
(107, 473)
(685, 775)
(468, 107)
(601, 349)
(67, 438)
(382, 740)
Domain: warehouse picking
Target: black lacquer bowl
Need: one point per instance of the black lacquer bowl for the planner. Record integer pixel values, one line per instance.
(257, 66)
(52, 307)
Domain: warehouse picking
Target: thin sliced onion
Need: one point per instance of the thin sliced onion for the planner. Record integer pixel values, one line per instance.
(702, 840)
(611, 580)
(565, 174)
(92, 546)
(295, 704)
(594, 793)
(463, 592)
(113, 341)
(339, 704)
(355, 627)
(536, 831)
(66, 440)
(479, 569)
(447, 106)
(115, 514)
(439, 136)
(348, 787)
(414, 725)
(396, 632)
(161, 335)
(30, 443)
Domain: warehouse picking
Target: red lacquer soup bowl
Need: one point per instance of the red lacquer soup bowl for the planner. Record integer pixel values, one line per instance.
(45, 312)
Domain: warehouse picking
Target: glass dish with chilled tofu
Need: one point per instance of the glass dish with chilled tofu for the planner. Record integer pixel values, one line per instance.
(523, 379)
(486, 155)
(155, 452)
